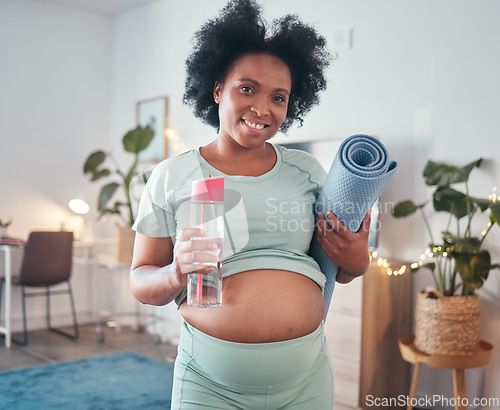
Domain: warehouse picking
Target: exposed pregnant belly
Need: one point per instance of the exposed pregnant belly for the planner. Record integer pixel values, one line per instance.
(261, 306)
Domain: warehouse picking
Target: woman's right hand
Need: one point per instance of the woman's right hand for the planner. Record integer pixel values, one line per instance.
(159, 269)
(192, 253)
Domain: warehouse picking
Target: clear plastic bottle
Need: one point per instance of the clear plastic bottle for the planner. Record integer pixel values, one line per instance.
(207, 213)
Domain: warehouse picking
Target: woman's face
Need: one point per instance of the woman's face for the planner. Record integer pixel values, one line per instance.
(253, 99)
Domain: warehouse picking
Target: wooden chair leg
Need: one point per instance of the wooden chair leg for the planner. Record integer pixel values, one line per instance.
(414, 383)
(459, 389)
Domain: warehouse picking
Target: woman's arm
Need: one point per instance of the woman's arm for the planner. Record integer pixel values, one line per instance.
(159, 269)
(347, 250)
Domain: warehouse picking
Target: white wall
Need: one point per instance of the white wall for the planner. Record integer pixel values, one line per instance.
(423, 76)
(54, 110)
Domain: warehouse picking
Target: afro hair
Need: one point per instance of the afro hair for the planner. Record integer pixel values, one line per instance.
(240, 30)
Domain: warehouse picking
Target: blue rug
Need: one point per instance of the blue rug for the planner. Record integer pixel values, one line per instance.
(118, 381)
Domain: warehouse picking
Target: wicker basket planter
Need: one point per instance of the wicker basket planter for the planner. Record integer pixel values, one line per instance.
(125, 243)
(447, 324)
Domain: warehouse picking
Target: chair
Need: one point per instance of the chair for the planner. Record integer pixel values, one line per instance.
(47, 261)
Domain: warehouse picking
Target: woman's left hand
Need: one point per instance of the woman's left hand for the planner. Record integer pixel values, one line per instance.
(346, 249)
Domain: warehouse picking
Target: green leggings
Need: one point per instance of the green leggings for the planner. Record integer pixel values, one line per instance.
(216, 374)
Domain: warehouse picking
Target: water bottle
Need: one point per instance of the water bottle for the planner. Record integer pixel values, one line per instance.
(207, 213)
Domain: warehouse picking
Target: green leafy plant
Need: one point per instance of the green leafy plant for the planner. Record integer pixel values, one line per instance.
(459, 252)
(134, 141)
(5, 224)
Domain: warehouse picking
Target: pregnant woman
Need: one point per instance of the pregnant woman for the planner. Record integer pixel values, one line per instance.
(264, 348)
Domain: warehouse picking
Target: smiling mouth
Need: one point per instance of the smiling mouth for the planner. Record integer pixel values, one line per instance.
(254, 125)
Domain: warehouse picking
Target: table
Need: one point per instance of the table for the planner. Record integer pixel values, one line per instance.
(7, 250)
(411, 354)
(99, 263)
(111, 266)
(87, 253)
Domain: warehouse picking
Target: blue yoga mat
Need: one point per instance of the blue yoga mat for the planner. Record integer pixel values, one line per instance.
(359, 174)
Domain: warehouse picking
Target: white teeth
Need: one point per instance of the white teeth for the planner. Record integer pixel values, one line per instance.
(255, 126)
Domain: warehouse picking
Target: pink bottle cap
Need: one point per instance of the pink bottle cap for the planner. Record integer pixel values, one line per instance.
(211, 189)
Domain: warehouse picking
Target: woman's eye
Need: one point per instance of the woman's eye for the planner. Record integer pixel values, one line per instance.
(246, 88)
(279, 98)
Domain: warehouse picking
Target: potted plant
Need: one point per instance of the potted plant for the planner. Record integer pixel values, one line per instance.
(447, 316)
(100, 164)
(3, 227)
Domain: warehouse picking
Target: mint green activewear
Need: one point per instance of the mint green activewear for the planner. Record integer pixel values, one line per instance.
(269, 218)
(217, 374)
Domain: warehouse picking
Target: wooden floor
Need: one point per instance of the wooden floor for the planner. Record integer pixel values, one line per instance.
(47, 347)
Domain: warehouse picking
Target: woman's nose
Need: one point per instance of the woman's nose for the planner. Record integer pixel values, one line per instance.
(260, 108)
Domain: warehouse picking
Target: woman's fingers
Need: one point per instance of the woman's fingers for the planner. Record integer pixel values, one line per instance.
(195, 254)
(335, 224)
(189, 233)
(325, 229)
(347, 249)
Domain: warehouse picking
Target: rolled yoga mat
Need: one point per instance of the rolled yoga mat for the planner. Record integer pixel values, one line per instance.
(359, 174)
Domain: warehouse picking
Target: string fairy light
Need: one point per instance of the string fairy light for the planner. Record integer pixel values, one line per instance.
(429, 253)
(384, 263)
(493, 197)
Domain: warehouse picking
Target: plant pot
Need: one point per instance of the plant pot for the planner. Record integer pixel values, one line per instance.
(125, 243)
(3, 232)
(447, 324)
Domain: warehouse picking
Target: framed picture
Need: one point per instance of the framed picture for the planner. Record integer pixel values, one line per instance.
(154, 112)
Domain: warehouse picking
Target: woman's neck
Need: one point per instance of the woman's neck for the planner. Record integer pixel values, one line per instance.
(234, 159)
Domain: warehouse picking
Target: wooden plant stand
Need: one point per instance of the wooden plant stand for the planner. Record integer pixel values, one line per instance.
(458, 363)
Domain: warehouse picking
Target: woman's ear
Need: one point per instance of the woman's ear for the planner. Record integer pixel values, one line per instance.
(217, 92)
